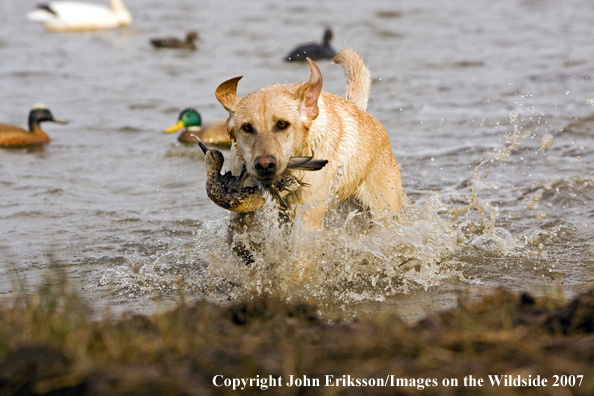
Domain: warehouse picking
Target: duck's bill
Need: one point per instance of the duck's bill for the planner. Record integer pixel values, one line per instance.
(179, 125)
(59, 121)
(203, 147)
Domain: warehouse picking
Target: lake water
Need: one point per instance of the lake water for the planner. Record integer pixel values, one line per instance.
(122, 207)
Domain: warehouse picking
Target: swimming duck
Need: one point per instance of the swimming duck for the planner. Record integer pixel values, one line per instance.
(12, 136)
(229, 192)
(190, 119)
(67, 16)
(314, 51)
(173, 42)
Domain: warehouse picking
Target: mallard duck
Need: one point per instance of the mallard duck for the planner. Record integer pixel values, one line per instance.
(173, 42)
(190, 119)
(313, 51)
(12, 136)
(67, 16)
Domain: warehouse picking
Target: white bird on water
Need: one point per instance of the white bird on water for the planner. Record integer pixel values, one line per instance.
(75, 16)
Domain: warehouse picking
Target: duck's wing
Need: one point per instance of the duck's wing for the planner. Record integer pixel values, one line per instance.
(166, 42)
(5, 128)
(312, 51)
(12, 136)
(306, 163)
(217, 134)
(304, 51)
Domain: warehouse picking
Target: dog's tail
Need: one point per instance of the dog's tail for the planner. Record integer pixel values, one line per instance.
(357, 74)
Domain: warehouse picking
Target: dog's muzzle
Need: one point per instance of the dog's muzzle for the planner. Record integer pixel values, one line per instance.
(265, 165)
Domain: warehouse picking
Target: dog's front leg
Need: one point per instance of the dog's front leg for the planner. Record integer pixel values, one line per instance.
(313, 217)
(239, 221)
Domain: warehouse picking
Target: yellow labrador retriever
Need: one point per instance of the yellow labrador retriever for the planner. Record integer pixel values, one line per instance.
(271, 126)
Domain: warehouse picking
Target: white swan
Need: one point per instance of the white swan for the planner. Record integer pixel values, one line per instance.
(68, 16)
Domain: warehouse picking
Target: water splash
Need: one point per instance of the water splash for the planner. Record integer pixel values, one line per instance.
(358, 260)
(487, 213)
(341, 263)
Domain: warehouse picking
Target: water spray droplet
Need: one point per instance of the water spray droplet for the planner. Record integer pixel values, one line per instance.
(546, 142)
(532, 203)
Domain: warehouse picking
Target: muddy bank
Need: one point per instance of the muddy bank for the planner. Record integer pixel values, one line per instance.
(49, 345)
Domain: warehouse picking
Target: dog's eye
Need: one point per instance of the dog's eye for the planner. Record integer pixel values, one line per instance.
(282, 124)
(247, 128)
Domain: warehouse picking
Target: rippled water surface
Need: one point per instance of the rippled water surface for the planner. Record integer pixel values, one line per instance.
(472, 95)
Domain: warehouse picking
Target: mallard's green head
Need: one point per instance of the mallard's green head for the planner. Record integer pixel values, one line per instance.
(188, 118)
(40, 113)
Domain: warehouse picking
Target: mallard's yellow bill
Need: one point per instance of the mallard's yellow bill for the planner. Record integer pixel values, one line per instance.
(179, 125)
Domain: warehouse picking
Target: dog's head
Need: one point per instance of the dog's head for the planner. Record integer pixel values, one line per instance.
(271, 125)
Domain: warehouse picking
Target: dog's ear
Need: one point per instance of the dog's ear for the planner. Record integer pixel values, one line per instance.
(309, 93)
(227, 93)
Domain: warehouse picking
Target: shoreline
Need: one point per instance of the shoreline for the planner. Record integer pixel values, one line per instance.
(506, 343)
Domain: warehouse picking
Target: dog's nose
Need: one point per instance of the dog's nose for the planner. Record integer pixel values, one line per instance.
(265, 165)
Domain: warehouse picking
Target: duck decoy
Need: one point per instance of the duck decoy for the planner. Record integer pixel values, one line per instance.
(75, 16)
(173, 42)
(12, 136)
(313, 51)
(215, 134)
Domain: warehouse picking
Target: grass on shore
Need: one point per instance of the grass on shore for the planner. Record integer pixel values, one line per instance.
(51, 345)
